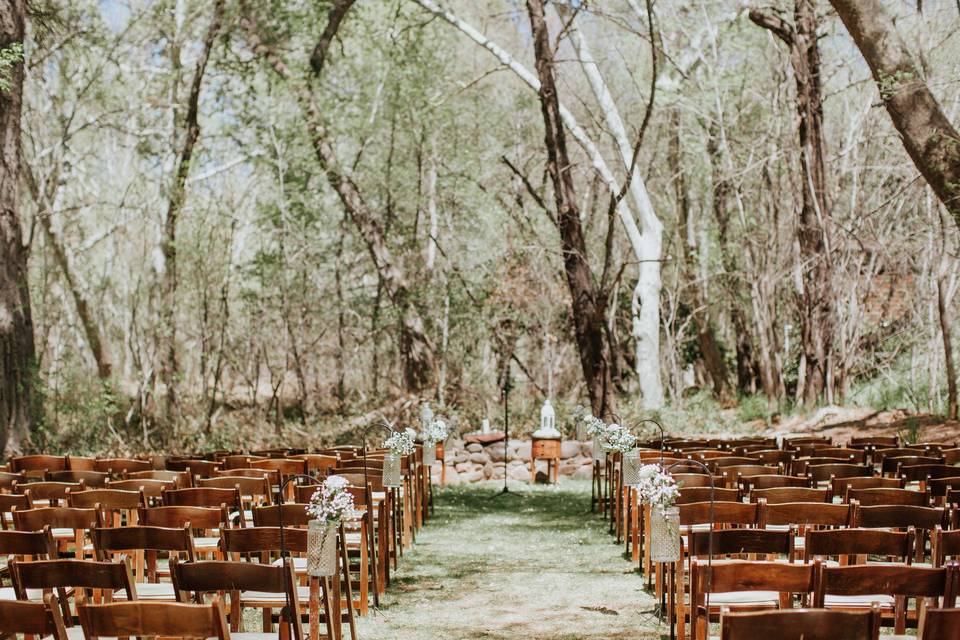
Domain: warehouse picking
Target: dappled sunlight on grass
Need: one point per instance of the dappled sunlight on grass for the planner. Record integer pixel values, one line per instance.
(538, 565)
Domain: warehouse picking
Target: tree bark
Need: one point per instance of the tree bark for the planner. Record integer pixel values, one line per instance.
(927, 134)
(816, 300)
(20, 400)
(92, 329)
(586, 303)
(706, 336)
(169, 367)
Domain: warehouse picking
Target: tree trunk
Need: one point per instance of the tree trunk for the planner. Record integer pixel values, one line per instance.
(416, 348)
(169, 367)
(20, 400)
(928, 136)
(645, 302)
(586, 305)
(943, 307)
(816, 300)
(706, 336)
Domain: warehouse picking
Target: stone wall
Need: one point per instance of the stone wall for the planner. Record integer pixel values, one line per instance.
(474, 462)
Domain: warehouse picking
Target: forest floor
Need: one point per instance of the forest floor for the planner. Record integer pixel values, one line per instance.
(536, 565)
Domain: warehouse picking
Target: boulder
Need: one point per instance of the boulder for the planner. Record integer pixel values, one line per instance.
(452, 477)
(479, 458)
(473, 476)
(519, 452)
(461, 467)
(497, 474)
(586, 448)
(497, 452)
(461, 456)
(488, 470)
(583, 473)
(568, 469)
(519, 473)
(474, 447)
(569, 449)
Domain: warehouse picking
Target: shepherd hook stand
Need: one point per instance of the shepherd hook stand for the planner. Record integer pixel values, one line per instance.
(507, 386)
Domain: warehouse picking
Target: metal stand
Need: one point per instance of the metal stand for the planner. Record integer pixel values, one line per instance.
(507, 386)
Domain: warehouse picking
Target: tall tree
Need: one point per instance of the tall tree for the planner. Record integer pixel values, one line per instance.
(19, 397)
(816, 298)
(416, 348)
(927, 134)
(587, 301)
(170, 367)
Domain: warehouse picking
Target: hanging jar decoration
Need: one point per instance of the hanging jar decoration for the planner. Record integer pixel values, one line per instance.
(429, 453)
(391, 471)
(582, 434)
(599, 453)
(664, 533)
(631, 468)
(321, 548)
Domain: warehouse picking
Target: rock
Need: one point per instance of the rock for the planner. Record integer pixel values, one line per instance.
(497, 452)
(517, 463)
(569, 449)
(479, 458)
(497, 474)
(499, 465)
(488, 470)
(454, 443)
(461, 456)
(586, 449)
(519, 473)
(519, 452)
(474, 447)
(463, 466)
(473, 476)
(568, 469)
(583, 473)
(452, 476)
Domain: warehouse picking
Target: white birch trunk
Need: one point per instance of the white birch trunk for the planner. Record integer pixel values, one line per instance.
(646, 309)
(645, 303)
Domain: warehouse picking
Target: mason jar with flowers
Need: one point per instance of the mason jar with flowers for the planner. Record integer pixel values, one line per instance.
(329, 505)
(435, 432)
(597, 430)
(621, 441)
(399, 444)
(658, 488)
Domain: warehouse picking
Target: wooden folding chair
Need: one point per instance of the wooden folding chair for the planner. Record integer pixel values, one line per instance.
(25, 546)
(801, 624)
(890, 586)
(69, 526)
(117, 507)
(769, 481)
(851, 546)
(228, 498)
(801, 516)
(33, 619)
(205, 522)
(82, 579)
(825, 473)
(876, 497)
(251, 584)
(92, 479)
(839, 486)
(10, 502)
(922, 519)
(48, 494)
(744, 585)
(154, 619)
(37, 466)
(939, 624)
(144, 543)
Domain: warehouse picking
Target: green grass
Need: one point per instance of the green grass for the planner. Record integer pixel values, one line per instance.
(535, 566)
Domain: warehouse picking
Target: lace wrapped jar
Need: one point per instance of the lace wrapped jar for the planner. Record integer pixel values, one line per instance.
(429, 453)
(321, 548)
(631, 468)
(391, 471)
(665, 534)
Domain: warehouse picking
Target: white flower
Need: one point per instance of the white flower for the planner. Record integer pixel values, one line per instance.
(332, 502)
(435, 432)
(647, 471)
(657, 486)
(400, 443)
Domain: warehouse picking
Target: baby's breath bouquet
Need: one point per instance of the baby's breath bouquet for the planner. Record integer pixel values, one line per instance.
(400, 443)
(619, 439)
(435, 432)
(332, 502)
(657, 486)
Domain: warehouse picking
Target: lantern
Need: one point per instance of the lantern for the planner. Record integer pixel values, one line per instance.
(429, 452)
(321, 548)
(548, 417)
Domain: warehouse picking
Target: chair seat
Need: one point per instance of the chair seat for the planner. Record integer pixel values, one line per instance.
(745, 598)
(206, 544)
(151, 591)
(265, 598)
(299, 564)
(7, 593)
(885, 601)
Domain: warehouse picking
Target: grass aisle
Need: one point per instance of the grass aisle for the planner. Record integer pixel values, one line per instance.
(535, 566)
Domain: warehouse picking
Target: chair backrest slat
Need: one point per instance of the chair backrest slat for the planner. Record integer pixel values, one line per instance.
(154, 619)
